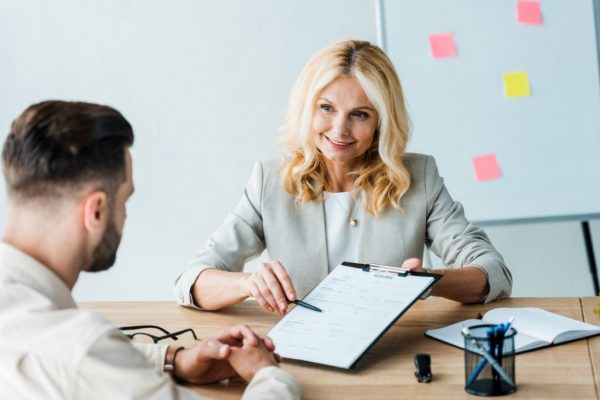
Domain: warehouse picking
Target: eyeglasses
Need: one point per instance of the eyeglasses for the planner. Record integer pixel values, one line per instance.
(145, 336)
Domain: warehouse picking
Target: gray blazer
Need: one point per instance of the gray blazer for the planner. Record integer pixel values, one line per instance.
(268, 217)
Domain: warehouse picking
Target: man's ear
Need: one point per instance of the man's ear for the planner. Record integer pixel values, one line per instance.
(95, 211)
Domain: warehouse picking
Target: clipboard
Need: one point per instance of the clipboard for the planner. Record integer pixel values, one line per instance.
(359, 303)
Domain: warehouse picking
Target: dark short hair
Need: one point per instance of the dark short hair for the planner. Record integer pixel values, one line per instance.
(58, 145)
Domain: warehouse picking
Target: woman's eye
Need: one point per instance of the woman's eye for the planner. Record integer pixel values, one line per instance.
(361, 114)
(326, 107)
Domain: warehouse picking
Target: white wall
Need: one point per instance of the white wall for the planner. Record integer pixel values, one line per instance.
(205, 84)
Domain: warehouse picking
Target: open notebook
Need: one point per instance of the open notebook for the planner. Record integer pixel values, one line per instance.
(536, 328)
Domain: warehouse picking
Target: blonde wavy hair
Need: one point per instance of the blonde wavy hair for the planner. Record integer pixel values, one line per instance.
(382, 178)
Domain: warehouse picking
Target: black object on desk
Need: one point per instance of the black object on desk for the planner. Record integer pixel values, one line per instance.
(423, 366)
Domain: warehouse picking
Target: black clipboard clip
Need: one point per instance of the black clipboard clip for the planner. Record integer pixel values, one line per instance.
(378, 268)
(399, 271)
(385, 268)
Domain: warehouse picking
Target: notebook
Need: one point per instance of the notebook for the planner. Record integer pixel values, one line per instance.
(536, 328)
(359, 302)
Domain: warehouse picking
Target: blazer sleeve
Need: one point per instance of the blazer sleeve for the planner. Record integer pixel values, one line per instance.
(239, 239)
(458, 242)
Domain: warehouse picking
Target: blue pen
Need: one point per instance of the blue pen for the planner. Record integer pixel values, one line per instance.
(495, 339)
(501, 332)
(508, 325)
(480, 365)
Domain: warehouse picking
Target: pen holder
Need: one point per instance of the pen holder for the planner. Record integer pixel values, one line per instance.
(489, 361)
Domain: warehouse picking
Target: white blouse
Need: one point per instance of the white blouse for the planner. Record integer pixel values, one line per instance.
(342, 238)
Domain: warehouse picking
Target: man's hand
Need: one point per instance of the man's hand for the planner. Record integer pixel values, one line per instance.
(204, 363)
(208, 362)
(247, 360)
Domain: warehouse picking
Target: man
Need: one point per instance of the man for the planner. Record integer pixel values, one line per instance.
(68, 174)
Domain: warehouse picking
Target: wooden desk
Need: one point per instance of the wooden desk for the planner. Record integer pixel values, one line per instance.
(570, 371)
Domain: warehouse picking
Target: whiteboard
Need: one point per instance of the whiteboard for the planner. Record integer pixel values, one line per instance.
(547, 145)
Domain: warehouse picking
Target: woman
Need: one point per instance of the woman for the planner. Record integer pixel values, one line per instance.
(344, 191)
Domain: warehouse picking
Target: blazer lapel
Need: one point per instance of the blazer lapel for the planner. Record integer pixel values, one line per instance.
(315, 236)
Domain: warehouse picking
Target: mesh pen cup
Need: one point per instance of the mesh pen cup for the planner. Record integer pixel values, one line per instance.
(489, 360)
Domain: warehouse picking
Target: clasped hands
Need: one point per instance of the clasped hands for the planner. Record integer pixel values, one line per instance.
(238, 352)
(272, 288)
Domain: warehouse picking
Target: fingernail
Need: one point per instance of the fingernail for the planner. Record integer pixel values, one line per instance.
(292, 297)
(223, 350)
(282, 306)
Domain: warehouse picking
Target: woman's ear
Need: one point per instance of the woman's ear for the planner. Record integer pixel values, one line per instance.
(95, 212)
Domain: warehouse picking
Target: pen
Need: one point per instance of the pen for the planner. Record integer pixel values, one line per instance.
(502, 331)
(306, 305)
(493, 336)
(479, 366)
(508, 325)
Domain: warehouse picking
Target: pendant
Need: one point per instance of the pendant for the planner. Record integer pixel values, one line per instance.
(353, 222)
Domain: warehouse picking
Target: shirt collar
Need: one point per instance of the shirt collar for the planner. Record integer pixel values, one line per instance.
(25, 269)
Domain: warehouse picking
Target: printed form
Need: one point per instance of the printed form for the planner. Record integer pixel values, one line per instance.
(358, 306)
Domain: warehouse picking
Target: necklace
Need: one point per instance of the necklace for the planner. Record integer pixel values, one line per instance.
(351, 218)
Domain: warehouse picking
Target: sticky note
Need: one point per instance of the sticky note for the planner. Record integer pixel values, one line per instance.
(516, 84)
(486, 168)
(442, 45)
(529, 12)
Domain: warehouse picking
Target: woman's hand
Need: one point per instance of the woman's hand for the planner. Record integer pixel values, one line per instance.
(467, 284)
(271, 286)
(412, 264)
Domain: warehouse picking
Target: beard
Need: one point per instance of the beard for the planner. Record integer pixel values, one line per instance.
(105, 253)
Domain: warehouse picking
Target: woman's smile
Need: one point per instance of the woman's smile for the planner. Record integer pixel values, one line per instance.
(338, 144)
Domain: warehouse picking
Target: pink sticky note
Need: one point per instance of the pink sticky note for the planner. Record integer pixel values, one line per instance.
(529, 12)
(486, 168)
(442, 45)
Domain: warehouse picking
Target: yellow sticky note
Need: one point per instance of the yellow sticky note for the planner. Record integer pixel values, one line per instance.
(516, 84)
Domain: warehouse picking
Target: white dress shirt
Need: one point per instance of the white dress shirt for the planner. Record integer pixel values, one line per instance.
(50, 349)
